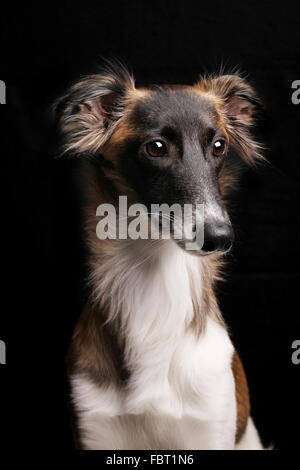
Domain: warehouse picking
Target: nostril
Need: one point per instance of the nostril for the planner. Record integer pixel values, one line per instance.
(209, 246)
(217, 237)
(227, 245)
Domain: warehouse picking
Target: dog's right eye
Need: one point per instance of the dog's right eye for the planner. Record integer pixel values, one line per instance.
(219, 147)
(156, 148)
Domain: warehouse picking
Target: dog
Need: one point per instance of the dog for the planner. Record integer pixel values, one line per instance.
(151, 364)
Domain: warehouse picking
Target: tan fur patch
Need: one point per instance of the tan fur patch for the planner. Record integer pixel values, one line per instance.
(94, 349)
(242, 396)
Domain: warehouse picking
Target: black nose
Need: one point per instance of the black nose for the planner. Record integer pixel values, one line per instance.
(217, 237)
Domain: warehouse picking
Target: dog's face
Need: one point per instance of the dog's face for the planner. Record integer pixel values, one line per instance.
(174, 154)
(168, 143)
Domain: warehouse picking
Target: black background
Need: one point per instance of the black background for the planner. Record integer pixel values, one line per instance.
(45, 49)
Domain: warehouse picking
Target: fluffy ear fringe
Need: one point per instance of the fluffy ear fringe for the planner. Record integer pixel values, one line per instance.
(238, 106)
(89, 112)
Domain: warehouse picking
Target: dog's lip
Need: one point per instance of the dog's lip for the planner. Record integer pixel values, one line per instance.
(199, 252)
(182, 244)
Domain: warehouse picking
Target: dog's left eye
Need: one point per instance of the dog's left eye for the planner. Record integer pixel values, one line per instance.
(156, 148)
(219, 148)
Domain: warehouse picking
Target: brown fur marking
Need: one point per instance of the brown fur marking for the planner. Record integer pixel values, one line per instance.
(94, 349)
(242, 396)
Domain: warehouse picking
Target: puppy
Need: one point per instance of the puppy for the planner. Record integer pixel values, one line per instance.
(151, 363)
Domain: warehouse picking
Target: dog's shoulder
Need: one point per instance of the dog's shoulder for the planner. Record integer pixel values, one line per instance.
(94, 350)
(242, 395)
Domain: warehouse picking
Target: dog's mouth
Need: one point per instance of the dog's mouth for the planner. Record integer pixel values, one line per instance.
(204, 250)
(187, 238)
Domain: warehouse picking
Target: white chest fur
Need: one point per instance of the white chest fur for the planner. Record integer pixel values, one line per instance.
(181, 392)
(192, 408)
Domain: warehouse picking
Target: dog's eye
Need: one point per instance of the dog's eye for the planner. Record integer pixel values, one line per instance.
(219, 147)
(156, 148)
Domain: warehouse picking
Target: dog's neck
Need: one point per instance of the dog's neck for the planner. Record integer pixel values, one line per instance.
(147, 285)
(137, 280)
(154, 296)
(149, 293)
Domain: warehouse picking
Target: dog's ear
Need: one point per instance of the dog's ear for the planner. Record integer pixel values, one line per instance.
(89, 112)
(238, 106)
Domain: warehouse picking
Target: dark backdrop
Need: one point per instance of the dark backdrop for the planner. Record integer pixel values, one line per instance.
(45, 49)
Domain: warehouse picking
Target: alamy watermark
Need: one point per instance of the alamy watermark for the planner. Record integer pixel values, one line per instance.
(296, 94)
(296, 353)
(183, 223)
(2, 352)
(2, 92)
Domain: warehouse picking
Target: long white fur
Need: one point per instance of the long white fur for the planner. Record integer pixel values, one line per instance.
(181, 392)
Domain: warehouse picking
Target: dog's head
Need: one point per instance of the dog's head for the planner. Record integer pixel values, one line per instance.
(168, 143)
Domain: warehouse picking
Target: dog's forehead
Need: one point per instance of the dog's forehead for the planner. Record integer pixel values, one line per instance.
(179, 107)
